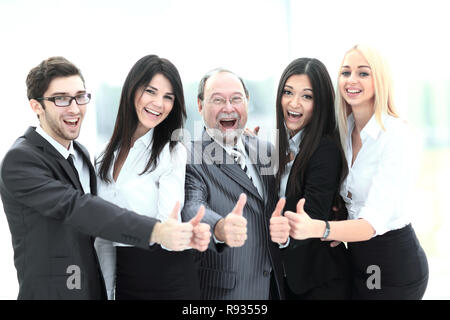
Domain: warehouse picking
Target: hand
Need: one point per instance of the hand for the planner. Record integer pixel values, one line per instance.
(253, 133)
(279, 225)
(171, 233)
(233, 228)
(339, 209)
(333, 243)
(200, 233)
(300, 223)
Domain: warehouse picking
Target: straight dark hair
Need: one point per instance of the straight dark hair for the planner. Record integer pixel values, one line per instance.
(127, 120)
(322, 122)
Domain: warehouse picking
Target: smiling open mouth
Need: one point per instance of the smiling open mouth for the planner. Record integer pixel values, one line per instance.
(72, 123)
(228, 124)
(294, 115)
(150, 111)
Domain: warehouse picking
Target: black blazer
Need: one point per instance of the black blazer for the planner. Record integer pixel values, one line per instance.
(312, 262)
(52, 222)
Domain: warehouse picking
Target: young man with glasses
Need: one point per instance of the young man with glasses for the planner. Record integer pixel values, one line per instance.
(48, 188)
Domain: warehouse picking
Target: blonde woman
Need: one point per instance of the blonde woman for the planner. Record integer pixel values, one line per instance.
(387, 260)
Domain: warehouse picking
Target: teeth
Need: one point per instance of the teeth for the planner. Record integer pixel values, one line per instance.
(152, 112)
(72, 121)
(353, 91)
(294, 113)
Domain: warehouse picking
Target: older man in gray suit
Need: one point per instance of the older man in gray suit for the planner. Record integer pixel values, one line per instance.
(242, 261)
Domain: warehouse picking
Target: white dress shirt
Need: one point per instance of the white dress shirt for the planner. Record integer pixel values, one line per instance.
(294, 147)
(378, 185)
(80, 165)
(153, 194)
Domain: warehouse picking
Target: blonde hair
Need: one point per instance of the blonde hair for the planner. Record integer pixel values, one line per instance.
(383, 91)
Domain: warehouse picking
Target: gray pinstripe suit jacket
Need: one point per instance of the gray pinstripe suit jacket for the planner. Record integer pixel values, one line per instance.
(214, 180)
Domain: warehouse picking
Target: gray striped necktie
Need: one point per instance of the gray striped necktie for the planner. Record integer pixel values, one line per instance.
(240, 159)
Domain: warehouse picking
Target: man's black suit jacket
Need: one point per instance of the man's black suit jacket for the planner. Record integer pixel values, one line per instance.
(53, 223)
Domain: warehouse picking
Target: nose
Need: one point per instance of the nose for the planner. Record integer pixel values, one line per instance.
(73, 107)
(228, 107)
(158, 101)
(351, 78)
(296, 101)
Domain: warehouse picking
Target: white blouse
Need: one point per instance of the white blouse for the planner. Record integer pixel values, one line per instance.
(152, 194)
(378, 185)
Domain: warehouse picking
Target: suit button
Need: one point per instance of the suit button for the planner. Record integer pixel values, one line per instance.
(266, 273)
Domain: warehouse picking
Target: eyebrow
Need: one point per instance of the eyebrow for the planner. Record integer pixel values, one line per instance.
(362, 66)
(156, 89)
(305, 89)
(66, 93)
(221, 94)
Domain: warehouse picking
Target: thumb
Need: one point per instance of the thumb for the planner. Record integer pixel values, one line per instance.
(239, 208)
(300, 205)
(174, 213)
(279, 207)
(200, 213)
(256, 130)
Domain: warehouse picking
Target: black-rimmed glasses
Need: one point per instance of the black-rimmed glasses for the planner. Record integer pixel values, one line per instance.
(65, 101)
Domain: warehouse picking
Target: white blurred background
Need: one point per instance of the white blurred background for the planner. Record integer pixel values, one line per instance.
(257, 40)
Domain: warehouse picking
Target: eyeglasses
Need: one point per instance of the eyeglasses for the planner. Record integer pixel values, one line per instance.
(234, 101)
(65, 101)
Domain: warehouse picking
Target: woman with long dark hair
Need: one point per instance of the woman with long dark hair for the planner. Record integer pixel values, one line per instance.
(311, 166)
(143, 168)
(386, 258)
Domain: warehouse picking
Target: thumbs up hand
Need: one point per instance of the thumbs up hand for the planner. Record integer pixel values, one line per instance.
(200, 233)
(279, 225)
(302, 226)
(171, 233)
(233, 228)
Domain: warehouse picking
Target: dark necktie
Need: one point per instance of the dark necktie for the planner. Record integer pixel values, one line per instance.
(72, 164)
(240, 159)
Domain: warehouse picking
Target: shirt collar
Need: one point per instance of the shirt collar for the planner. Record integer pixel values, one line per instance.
(373, 128)
(59, 147)
(146, 139)
(294, 142)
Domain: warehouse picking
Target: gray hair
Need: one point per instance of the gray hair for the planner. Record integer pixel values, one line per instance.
(201, 85)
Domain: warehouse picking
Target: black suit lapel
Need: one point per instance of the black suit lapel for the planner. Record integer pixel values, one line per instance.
(70, 172)
(36, 139)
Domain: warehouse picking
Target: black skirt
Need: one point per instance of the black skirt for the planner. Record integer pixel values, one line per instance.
(390, 266)
(156, 274)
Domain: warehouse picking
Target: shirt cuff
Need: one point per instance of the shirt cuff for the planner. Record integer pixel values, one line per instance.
(215, 239)
(282, 246)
